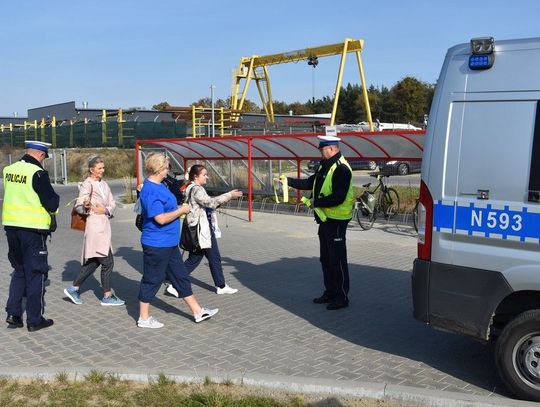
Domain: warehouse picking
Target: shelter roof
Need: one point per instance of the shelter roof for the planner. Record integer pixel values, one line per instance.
(405, 145)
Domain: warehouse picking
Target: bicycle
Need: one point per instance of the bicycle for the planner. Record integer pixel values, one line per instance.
(371, 205)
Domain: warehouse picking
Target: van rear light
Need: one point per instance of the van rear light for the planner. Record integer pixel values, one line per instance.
(425, 222)
(421, 223)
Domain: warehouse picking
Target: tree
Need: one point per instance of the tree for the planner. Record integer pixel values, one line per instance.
(411, 99)
(281, 107)
(375, 103)
(388, 112)
(251, 107)
(350, 104)
(204, 102)
(300, 108)
(161, 106)
(323, 105)
(407, 101)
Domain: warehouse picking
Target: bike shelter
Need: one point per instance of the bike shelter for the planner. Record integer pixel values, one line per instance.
(376, 146)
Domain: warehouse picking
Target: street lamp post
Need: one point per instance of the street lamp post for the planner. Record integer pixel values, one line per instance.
(212, 87)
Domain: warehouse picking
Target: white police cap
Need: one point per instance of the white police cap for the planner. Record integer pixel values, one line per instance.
(38, 145)
(328, 140)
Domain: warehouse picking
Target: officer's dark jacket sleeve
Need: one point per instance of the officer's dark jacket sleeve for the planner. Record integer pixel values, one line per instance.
(341, 180)
(42, 185)
(301, 183)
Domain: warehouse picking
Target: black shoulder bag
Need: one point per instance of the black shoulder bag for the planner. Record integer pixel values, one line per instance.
(189, 238)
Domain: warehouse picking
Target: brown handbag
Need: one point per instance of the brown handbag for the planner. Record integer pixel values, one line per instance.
(78, 221)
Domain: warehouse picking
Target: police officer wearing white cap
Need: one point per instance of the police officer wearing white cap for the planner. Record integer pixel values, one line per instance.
(332, 202)
(28, 217)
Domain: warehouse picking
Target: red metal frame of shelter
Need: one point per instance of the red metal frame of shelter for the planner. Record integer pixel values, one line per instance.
(376, 146)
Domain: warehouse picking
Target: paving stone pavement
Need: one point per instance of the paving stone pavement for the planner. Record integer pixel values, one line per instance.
(270, 327)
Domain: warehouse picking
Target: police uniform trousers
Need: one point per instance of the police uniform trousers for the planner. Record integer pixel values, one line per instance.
(334, 259)
(28, 257)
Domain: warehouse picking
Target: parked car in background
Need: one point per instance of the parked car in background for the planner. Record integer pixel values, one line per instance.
(313, 165)
(400, 167)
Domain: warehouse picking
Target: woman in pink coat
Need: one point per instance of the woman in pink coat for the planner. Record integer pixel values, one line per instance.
(96, 200)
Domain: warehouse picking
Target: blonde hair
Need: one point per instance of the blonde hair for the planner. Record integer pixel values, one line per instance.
(155, 162)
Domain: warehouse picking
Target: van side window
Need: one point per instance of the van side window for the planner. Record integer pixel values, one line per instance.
(534, 176)
(491, 150)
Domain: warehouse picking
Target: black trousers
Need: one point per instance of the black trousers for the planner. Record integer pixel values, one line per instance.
(91, 265)
(28, 257)
(334, 258)
(214, 261)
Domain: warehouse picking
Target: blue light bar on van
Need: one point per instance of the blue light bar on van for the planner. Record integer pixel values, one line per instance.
(480, 61)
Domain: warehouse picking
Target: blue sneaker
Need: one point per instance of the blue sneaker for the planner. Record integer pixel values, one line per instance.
(112, 301)
(73, 295)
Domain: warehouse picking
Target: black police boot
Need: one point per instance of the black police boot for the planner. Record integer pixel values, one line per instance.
(14, 321)
(45, 323)
(323, 299)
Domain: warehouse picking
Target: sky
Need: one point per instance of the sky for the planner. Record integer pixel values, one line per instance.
(119, 53)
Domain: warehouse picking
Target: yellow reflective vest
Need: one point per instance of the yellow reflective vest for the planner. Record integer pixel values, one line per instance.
(21, 206)
(342, 211)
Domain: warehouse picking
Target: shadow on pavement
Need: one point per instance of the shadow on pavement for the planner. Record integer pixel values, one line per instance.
(393, 228)
(130, 288)
(70, 273)
(379, 316)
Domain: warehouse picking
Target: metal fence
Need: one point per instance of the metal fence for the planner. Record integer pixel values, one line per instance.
(91, 134)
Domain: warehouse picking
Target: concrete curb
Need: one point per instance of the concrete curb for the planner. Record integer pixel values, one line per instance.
(289, 384)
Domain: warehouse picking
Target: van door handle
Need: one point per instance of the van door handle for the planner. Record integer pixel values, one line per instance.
(480, 193)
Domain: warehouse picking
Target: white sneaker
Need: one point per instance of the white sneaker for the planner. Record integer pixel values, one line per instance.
(170, 290)
(149, 323)
(205, 314)
(226, 290)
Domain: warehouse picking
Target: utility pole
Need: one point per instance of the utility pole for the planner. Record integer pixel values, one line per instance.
(212, 87)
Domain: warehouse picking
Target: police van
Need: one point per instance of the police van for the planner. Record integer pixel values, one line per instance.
(478, 266)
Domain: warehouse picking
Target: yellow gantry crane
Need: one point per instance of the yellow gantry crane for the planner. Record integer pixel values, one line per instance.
(256, 67)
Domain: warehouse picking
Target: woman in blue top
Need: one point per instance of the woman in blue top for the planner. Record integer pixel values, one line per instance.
(159, 239)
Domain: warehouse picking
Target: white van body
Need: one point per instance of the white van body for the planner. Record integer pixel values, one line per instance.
(478, 266)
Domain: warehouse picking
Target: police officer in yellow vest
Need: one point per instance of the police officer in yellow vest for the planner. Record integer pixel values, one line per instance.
(332, 202)
(29, 201)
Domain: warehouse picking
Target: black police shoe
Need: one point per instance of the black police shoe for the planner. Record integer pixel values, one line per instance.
(337, 304)
(14, 321)
(45, 323)
(323, 299)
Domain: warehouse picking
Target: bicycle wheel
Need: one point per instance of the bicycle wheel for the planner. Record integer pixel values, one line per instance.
(390, 203)
(365, 219)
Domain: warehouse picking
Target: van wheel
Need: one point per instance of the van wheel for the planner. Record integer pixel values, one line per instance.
(517, 355)
(402, 169)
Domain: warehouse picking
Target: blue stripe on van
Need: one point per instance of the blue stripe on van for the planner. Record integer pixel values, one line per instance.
(487, 221)
(443, 216)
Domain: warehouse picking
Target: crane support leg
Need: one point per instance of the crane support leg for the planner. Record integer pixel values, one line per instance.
(338, 83)
(364, 91)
